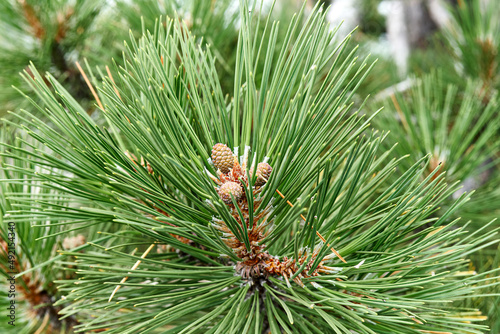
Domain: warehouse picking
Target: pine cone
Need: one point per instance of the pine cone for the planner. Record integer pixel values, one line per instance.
(263, 172)
(222, 158)
(228, 189)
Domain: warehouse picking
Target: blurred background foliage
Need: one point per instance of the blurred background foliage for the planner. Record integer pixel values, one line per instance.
(437, 76)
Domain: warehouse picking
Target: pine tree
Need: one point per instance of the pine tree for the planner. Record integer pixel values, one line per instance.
(279, 209)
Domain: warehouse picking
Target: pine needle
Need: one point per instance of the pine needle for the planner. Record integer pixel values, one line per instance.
(113, 81)
(133, 268)
(87, 81)
(317, 232)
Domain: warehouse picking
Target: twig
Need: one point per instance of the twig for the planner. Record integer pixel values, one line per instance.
(114, 86)
(317, 232)
(400, 113)
(90, 85)
(44, 323)
(133, 268)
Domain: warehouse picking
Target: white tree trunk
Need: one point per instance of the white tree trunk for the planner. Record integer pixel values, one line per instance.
(409, 23)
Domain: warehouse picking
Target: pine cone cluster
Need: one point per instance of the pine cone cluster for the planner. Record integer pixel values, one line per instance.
(231, 173)
(256, 262)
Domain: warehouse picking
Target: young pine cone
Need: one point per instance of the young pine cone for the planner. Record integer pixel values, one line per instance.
(228, 189)
(263, 172)
(222, 158)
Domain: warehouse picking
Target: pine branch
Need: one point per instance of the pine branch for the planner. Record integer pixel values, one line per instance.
(180, 166)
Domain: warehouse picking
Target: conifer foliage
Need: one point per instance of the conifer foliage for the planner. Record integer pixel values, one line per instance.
(29, 244)
(272, 210)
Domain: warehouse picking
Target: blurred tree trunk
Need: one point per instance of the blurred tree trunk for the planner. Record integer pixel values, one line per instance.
(411, 22)
(408, 25)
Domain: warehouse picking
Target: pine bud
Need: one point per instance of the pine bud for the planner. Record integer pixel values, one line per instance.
(263, 172)
(222, 158)
(228, 189)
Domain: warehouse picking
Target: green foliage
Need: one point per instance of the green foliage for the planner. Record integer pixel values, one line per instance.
(459, 129)
(147, 170)
(212, 21)
(53, 34)
(485, 206)
(489, 302)
(31, 243)
(474, 37)
(372, 22)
